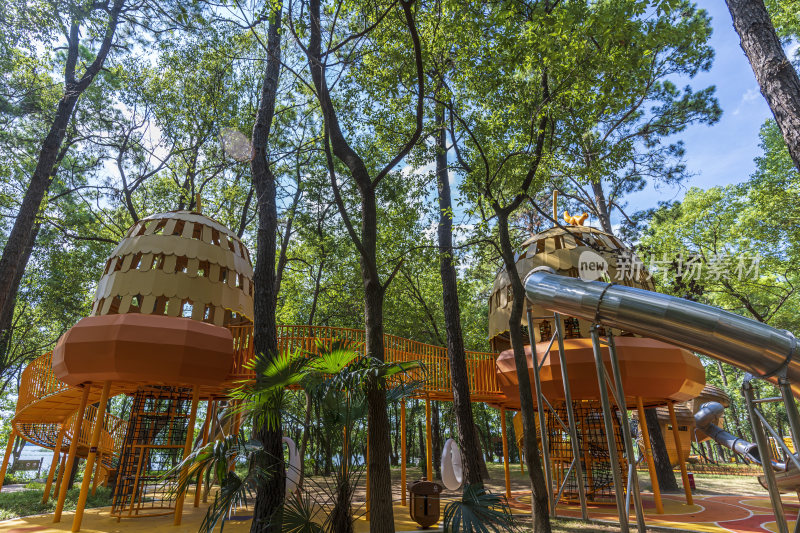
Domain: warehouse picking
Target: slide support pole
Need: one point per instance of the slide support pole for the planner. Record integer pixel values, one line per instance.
(548, 473)
(765, 453)
(619, 490)
(622, 405)
(573, 429)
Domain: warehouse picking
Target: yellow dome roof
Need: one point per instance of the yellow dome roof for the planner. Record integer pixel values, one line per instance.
(178, 263)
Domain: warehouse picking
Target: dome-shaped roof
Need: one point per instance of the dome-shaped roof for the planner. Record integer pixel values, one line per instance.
(179, 264)
(561, 249)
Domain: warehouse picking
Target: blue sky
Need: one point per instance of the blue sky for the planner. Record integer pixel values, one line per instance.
(722, 153)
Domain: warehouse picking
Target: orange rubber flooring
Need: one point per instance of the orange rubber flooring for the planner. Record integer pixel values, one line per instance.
(712, 514)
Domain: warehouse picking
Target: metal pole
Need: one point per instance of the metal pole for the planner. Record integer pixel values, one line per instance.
(791, 412)
(765, 454)
(573, 429)
(609, 427)
(626, 431)
(542, 420)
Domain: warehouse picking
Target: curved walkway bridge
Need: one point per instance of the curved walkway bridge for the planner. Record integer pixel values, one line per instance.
(47, 407)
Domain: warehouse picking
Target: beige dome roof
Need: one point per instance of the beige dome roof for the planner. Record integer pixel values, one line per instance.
(560, 249)
(179, 263)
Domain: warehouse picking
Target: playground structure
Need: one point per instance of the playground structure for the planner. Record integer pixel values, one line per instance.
(172, 326)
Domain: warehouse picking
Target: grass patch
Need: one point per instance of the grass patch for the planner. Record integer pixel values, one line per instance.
(29, 502)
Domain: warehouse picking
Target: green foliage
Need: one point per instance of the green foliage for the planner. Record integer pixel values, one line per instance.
(480, 511)
(29, 502)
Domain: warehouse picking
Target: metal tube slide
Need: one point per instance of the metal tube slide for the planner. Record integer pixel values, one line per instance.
(706, 419)
(742, 342)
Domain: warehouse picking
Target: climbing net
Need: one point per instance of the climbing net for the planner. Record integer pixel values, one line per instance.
(598, 480)
(152, 448)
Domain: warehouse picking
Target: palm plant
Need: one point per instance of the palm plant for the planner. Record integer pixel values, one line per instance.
(333, 376)
(479, 511)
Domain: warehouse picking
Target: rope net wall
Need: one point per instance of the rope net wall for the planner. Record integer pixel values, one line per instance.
(153, 446)
(597, 474)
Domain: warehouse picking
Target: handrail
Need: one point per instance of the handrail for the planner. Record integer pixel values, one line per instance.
(39, 382)
(480, 365)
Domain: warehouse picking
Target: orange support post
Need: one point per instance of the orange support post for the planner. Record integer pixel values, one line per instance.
(648, 453)
(96, 479)
(187, 449)
(73, 448)
(198, 487)
(99, 422)
(7, 457)
(57, 489)
(403, 457)
(687, 488)
(505, 452)
(54, 463)
(428, 440)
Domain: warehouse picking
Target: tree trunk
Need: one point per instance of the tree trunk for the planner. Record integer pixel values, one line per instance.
(269, 496)
(13, 256)
(666, 476)
(7, 314)
(541, 518)
(601, 204)
(467, 436)
(776, 76)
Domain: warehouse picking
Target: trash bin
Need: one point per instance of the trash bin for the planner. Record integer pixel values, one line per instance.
(690, 475)
(423, 498)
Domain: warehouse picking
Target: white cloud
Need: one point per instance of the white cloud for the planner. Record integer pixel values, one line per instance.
(750, 95)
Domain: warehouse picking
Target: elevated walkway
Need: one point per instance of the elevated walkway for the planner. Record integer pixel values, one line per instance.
(45, 403)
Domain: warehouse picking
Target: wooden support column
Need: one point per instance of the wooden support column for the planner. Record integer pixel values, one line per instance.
(96, 479)
(7, 457)
(403, 457)
(687, 488)
(54, 463)
(99, 422)
(237, 426)
(198, 487)
(187, 449)
(73, 448)
(428, 441)
(505, 452)
(60, 475)
(648, 455)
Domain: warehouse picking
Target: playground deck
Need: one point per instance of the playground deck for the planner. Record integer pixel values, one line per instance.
(709, 514)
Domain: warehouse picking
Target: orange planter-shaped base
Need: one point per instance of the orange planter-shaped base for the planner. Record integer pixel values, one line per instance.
(143, 348)
(652, 369)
